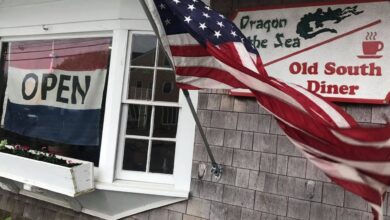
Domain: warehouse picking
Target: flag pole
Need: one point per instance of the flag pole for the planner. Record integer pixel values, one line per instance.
(216, 168)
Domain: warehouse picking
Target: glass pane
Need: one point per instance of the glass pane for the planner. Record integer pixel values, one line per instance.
(141, 84)
(135, 155)
(50, 78)
(162, 58)
(3, 75)
(165, 121)
(88, 153)
(162, 157)
(166, 89)
(138, 120)
(143, 50)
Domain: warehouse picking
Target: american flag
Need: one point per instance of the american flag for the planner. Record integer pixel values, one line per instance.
(208, 51)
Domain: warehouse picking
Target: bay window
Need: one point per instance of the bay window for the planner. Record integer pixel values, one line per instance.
(109, 98)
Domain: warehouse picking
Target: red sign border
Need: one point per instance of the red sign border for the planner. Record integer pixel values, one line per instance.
(298, 5)
(385, 101)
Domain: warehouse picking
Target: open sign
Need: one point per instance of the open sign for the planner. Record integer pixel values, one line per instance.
(66, 87)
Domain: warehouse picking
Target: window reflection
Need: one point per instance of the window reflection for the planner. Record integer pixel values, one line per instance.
(163, 60)
(166, 89)
(140, 84)
(162, 157)
(138, 120)
(165, 121)
(143, 50)
(63, 54)
(135, 155)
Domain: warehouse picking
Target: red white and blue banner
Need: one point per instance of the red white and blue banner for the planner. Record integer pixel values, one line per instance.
(339, 50)
(58, 97)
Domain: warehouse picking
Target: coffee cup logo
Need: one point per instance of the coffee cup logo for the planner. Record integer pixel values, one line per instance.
(371, 47)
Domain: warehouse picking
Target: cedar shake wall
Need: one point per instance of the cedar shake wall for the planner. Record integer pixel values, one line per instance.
(265, 177)
(20, 207)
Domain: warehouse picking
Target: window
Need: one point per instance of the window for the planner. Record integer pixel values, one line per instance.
(53, 94)
(151, 115)
(141, 134)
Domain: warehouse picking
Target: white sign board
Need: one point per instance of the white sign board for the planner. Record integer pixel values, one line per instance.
(340, 51)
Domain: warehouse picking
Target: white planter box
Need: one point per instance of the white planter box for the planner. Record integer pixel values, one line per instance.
(70, 181)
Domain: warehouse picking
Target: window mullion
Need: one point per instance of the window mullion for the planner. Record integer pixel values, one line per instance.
(150, 139)
(151, 67)
(153, 110)
(149, 103)
(155, 72)
(126, 82)
(122, 138)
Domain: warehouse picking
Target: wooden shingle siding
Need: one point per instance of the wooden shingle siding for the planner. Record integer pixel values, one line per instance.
(20, 207)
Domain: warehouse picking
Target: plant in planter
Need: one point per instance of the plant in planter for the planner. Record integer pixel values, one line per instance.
(43, 155)
(45, 170)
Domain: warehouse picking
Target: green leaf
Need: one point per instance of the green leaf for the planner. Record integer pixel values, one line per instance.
(2, 144)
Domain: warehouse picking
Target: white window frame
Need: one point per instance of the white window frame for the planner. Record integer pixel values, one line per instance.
(181, 166)
(178, 184)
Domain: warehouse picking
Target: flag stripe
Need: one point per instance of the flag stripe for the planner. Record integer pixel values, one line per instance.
(189, 51)
(381, 170)
(329, 145)
(201, 82)
(367, 140)
(182, 40)
(335, 114)
(248, 80)
(355, 179)
(221, 76)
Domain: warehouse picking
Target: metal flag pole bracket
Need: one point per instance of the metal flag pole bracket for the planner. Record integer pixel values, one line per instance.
(216, 169)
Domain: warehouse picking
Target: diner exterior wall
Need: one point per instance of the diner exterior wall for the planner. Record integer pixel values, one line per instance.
(265, 177)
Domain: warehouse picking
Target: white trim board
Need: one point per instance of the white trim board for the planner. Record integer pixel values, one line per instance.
(147, 207)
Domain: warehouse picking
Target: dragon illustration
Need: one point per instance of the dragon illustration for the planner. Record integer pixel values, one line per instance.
(305, 30)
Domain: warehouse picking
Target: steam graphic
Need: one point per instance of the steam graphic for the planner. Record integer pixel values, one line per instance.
(371, 36)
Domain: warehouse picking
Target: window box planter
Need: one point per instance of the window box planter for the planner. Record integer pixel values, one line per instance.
(70, 181)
